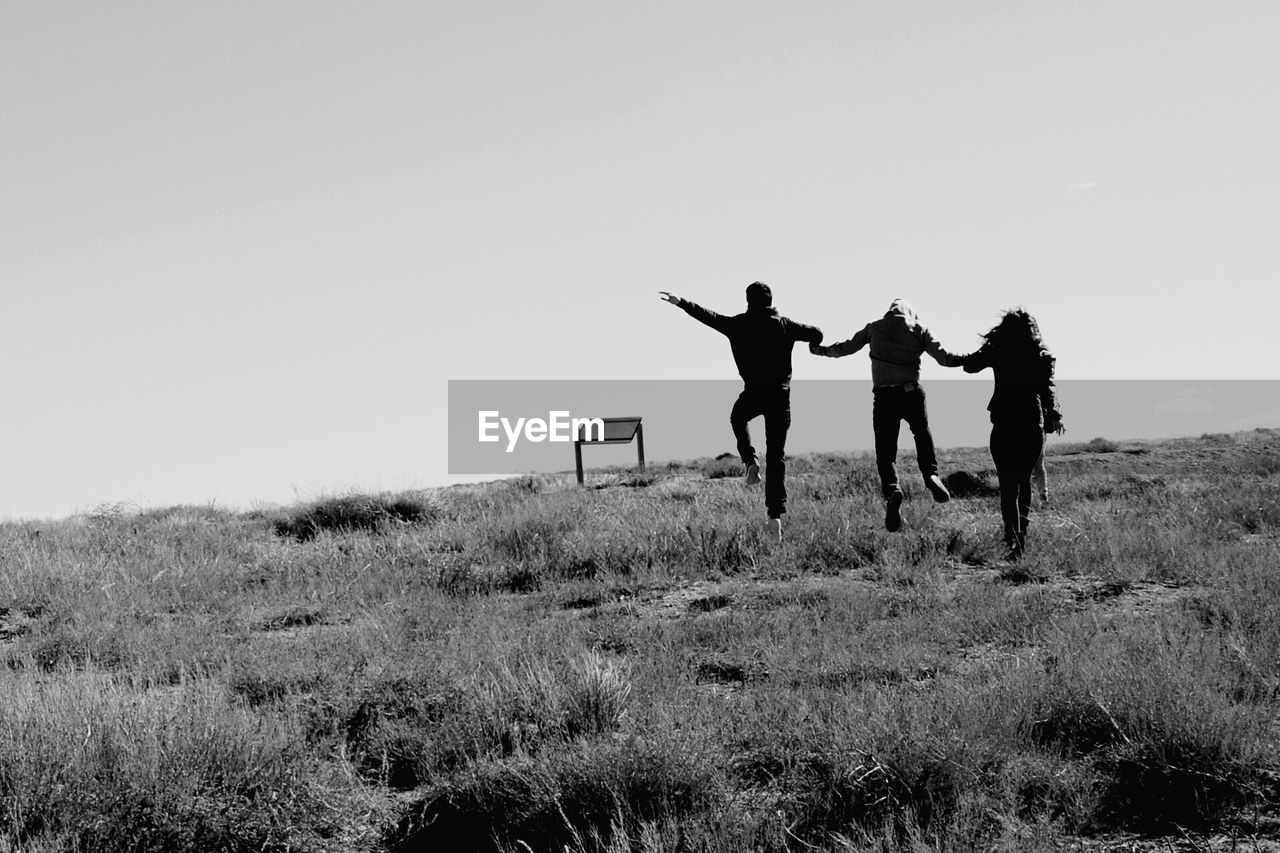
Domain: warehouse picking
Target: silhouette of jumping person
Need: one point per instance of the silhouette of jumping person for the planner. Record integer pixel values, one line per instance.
(1023, 408)
(761, 340)
(897, 340)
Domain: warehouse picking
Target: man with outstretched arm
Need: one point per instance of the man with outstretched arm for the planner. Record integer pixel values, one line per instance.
(761, 340)
(897, 341)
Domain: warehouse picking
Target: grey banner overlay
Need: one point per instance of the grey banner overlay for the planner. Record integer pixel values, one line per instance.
(686, 419)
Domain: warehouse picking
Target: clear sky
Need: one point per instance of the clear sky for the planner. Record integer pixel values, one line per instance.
(245, 244)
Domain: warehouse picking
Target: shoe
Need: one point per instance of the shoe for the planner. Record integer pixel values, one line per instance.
(1015, 544)
(774, 528)
(753, 474)
(892, 512)
(939, 491)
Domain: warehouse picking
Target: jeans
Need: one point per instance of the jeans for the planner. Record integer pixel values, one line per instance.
(775, 405)
(890, 406)
(1015, 448)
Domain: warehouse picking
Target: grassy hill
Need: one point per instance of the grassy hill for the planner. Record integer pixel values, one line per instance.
(528, 665)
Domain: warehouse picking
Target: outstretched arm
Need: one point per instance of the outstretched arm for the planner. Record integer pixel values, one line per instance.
(719, 322)
(939, 353)
(811, 335)
(848, 347)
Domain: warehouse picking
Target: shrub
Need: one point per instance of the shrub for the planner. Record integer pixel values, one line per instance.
(403, 731)
(967, 484)
(1096, 445)
(352, 513)
(630, 479)
(724, 465)
(89, 765)
(579, 797)
(536, 703)
(891, 791)
(406, 731)
(1146, 711)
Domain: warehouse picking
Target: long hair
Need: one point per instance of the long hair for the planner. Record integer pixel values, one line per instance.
(1017, 338)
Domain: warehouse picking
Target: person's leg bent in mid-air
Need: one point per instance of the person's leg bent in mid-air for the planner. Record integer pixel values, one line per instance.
(777, 421)
(916, 414)
(886, 416)
(748, 406)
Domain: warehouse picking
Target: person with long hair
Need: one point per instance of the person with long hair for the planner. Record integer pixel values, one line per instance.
(1023, 409)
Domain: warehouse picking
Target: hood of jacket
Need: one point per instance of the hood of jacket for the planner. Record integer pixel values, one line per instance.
(904, 309)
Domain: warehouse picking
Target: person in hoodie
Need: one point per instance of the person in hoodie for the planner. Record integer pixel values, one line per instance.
(1023, 408)
(761, 340)
(896, 341)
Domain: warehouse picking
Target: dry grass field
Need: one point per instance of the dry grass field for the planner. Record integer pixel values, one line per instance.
(528, 665)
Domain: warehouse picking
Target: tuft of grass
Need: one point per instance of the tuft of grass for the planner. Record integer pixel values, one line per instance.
(524, 708)
(971, 484)
(350, 514)
(580, 798)
(630, 480)
(91, 765)
(724, 465)
(1095, 445)
(1167, 746)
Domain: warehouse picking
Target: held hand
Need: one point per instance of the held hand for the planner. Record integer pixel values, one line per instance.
(816, 349)
(668, 297)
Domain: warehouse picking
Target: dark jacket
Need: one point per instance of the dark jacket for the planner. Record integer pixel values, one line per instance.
(761, 340)
(1024, 392)
(897, 340)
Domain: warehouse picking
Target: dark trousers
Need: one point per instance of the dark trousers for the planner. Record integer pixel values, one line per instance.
(775, 405)
(1015, 448)
(889, 408)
